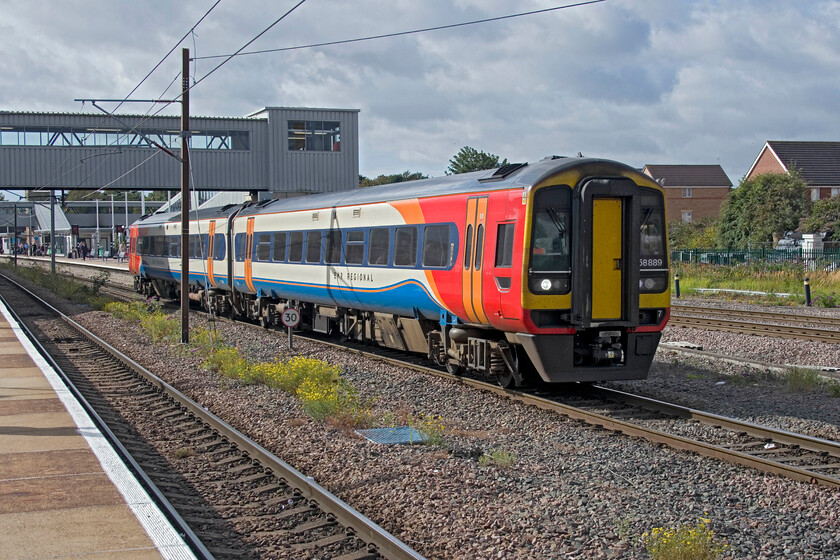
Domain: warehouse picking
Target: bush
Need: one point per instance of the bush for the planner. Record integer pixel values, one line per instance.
(161, 327)
(683, 543)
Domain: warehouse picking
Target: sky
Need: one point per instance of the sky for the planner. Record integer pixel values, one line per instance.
(638, 81)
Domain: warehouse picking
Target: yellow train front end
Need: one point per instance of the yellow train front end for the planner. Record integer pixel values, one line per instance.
(595, 284)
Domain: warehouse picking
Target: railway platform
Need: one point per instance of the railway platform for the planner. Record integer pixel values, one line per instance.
(64, 492)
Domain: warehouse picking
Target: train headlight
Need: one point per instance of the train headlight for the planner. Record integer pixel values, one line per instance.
(545, 284)
(653, 285)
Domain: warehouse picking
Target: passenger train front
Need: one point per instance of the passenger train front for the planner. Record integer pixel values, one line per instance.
(556, 270)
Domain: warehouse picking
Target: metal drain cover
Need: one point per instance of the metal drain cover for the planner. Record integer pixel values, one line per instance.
(393, 436)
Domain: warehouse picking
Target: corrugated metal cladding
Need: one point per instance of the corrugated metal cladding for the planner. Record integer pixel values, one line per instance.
(312, 171)
(267, 164)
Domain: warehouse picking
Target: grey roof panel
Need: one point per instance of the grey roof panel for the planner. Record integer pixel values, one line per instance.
(818, 162)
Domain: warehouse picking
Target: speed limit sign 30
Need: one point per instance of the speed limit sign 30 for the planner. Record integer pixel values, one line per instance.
(290, 317)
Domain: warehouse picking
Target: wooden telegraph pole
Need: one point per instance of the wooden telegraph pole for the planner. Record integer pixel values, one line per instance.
(185, 196)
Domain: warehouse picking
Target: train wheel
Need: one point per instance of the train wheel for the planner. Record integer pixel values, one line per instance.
(508, 375)
(265, 322)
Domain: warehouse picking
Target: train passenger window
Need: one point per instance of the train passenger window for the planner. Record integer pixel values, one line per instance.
(333, 246)
(279, 254)
(296, 246)
(205, 246)
(160, 246)
(354, 248)
(479, 245)
(313, 247)
(174, 246)
(263, 248)
(436, 246)
(405, 246)
(219, 247)
(504, 245)
(468, 246)
(239, 242)
(380, 241)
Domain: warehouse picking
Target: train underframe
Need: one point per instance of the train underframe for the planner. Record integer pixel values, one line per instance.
(512, 359)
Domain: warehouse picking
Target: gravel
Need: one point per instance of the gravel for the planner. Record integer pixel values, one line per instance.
(572, 492)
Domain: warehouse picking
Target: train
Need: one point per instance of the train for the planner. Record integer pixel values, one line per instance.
(548, 272)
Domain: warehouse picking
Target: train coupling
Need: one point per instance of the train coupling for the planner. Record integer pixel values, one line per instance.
(607, 347)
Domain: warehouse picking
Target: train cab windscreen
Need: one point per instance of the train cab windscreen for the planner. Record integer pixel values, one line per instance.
(653, 262)
(549, 270)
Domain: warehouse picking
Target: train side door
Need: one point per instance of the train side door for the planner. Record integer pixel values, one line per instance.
(249, 253)
(473, 258)
(211, 251)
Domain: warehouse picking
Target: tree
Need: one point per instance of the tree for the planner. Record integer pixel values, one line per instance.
(388, 179)
(767, 205)
(470, 159)
(825, 216)
(701, 234)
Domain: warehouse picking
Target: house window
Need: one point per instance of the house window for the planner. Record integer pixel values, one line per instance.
(686, 216)
(835, 191)
(314, 136)
(815, 195)
(686, 192)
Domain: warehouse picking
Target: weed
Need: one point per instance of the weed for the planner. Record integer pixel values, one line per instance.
(800, 380)
(684, 543)
(432, 428)
(184, 452)
(161, 327)
(500, 458)
(830, 301)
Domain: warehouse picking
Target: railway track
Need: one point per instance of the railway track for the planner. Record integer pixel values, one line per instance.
(236, 498)
(793, 455)
(824, 329)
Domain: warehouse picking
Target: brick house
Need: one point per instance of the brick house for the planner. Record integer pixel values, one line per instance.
(817, 162)
(692, 192)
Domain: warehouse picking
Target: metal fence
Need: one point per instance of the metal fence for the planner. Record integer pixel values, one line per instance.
(811, 259)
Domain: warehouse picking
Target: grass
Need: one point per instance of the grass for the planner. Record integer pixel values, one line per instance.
(801, 380)
(768, 277)
(500, 458)
(695, 542)
(62, 286)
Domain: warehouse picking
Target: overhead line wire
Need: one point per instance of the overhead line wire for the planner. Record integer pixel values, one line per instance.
(104, 119)
(260, 34)
(401, 33)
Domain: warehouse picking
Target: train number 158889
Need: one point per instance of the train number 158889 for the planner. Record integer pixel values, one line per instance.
(650, 263)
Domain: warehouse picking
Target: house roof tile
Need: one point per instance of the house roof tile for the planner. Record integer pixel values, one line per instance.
(690, 175)
(818, 162)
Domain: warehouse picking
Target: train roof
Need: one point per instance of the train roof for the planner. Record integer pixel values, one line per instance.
(516, 175)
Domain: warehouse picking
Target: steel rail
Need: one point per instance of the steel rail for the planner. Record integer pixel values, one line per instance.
(190, 538)
(793, 318)
(818, 445)
(387, 545)
(761, 329)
